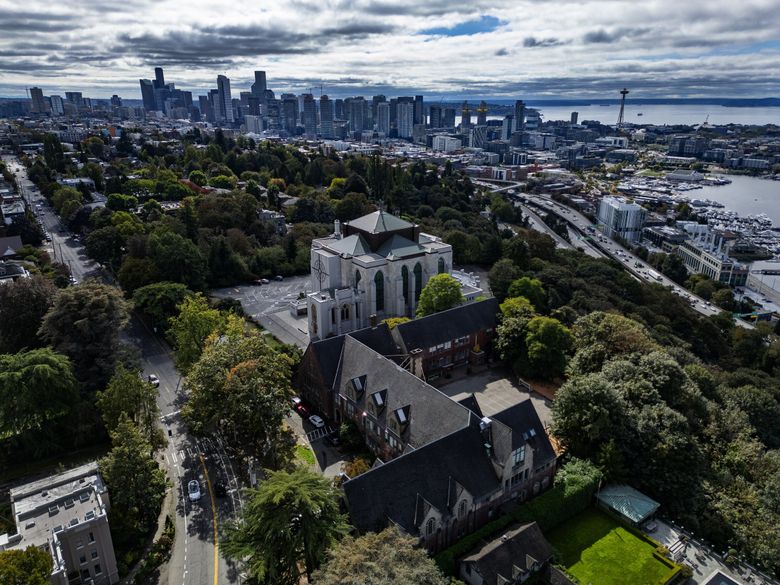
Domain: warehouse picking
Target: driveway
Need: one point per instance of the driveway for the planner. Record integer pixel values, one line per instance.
(496, 390)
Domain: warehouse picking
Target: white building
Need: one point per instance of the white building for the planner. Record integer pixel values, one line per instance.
(445, 143)
(618, 217)
(405, 116)
(373, 270)
(254, 124)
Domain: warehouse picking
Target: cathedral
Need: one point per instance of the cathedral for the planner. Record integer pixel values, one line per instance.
(370, 269)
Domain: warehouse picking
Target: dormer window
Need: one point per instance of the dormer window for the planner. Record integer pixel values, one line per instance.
(518, 456)
(402, 415)
(359, 385)
(378, 400)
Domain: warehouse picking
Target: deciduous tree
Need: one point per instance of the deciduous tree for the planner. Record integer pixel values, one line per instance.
(441, 293)
(31, 566)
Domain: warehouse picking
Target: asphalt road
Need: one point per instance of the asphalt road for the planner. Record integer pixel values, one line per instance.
(195, 559)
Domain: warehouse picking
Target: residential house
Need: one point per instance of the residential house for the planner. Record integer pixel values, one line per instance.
(9, 247)
(509, 560)
(11, 271)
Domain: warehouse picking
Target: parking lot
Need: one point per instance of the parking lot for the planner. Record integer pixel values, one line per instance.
(496, 390)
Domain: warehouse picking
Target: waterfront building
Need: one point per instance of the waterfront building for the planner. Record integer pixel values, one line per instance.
(618, 217)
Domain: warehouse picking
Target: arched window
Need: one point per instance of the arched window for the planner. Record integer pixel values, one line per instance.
(314, 319)
(417, 281)
(357, 278)
(405, 283)
(345, 312)
(462, 509)
(442, 266)
(379, 282)
(430, 526)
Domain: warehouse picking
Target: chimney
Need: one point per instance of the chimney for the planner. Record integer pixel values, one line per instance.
(337, 229)
(487, 435)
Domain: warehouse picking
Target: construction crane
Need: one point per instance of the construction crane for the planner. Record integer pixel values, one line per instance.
(623, 94)
(311, 89)
(482, 110)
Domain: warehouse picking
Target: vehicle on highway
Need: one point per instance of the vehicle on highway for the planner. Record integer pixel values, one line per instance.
(193, 490)
(279, 278)
(153, 380)
(316, 421)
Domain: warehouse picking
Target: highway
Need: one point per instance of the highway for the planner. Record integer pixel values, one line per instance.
(636, 266)
(195, 558)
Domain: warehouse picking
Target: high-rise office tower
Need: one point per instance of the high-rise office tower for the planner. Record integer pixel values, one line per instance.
(116, 101)
(405, 119)
(419, 110)
(289, 112)
(435, 116)
(259, 86)
(225, 100)
(309, 116)
(356, 113)
(465, 115)
(338, 110)
(205, 108)
(507, 127)
(38, 105)
(254, 124)
(393, 112)
(482, 113)
(74, 97)
(326, 117)
(519, 116)
(575, 118)
(216, 106)
(57, 107)
(159, 78)
(375, 100)
(448, 118)
(383, 118)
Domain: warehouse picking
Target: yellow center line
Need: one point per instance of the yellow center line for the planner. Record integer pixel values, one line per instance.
(214, 515)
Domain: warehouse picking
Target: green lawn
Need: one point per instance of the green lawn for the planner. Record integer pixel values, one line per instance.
(598, 550)
(303, 453)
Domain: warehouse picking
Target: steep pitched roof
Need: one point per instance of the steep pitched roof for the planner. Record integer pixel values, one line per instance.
(379, 222)
(399, 247)
(10, 245)
(353, 245)
(515, 552)
(379, 339)
(448, 325)
(527, 428)
(391, 492)
(431, 414)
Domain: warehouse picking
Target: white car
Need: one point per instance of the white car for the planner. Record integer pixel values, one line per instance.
(193, 490)
(316, 421)
(153, 380)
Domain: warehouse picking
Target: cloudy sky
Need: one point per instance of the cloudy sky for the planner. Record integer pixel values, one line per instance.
(480, 48)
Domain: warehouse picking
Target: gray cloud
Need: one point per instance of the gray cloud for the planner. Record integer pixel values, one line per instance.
(548, 42)
(501, 53)
(603, 36)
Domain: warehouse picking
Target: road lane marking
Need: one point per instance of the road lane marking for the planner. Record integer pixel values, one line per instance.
(214, 518)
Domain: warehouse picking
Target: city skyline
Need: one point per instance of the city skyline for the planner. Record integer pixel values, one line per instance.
(488, 48)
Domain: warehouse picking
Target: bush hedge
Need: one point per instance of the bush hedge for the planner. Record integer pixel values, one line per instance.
(572, 493)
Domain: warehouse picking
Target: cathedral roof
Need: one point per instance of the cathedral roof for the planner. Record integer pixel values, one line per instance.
(353, 245)
(379, 222)
(399, 247)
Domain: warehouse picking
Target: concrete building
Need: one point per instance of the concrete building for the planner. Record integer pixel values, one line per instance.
(326, 117)
(706, 252)
(374, 269)
(444, 143)
(383, 118)
(57, 105)
(309, 116)
(254, 124)
(519, 116)
(66, 516)
(225, 100)
(618, 217)
(38, 105)
(435, 116)
(405, 119)
(259, 86)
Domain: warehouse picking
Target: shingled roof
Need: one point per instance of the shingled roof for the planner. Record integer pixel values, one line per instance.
(392, 492)
(448, 325)
(518, 551)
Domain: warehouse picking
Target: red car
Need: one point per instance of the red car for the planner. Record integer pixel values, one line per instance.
(302, 410)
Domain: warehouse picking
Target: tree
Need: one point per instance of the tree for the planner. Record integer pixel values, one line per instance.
(136, 273)
(53, 153)
(31, 566)
(128, 397)
(85, 323)
(104, 245)
(134, 479)
(290, 520)
(178, 259)
(441, 293)
(23, 304)
(386, 558)
(531, 289)
(199, 178)
(34, 386)
(724, 299)
(241, 386)
(160, 301)
(501, 276)
(191, 327)
(547, 341)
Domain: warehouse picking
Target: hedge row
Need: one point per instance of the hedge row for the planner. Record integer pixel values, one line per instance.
(549, 510)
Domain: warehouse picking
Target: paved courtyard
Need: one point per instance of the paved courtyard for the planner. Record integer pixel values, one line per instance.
(496, 389)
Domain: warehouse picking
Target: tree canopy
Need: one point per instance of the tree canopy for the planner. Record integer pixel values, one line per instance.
(31, 566)
(23, 304)
(442, 292)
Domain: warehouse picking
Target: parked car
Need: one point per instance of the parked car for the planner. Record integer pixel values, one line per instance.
(153, 380)
(302, 410)
(265, 281)
(279, 277)
(219, 489)
(316, 421)
(296, 402)
(193, 490)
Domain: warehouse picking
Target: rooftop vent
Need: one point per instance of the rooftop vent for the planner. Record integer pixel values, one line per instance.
(84, 497)
(53, 510)
(484, 423)
(69, 503)
(58, 528)
(73, 522)
(89, 516)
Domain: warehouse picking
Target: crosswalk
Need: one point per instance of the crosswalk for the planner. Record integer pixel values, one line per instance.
(318, 434)
(204, 446)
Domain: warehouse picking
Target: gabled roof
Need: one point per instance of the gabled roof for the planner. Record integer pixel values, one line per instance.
(399, 247)
(448, 325)
(392, 492)
(379, 222)
(471, 403)
(526, 428)
(426, 413)
(514, 552)
(353, 245)
(10, 245)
